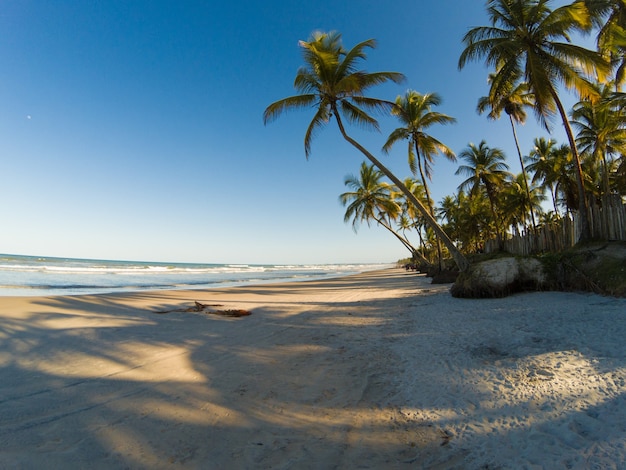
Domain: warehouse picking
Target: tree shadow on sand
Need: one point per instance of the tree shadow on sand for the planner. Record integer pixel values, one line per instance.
(304, 381)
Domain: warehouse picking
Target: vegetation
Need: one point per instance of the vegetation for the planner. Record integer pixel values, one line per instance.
(331, 82)
(528, 39)
(531, 61)
(415, 113)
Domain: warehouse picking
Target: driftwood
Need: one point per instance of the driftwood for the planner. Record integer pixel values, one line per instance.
(206, 308)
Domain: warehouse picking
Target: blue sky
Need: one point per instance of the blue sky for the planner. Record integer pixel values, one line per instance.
(133, 129)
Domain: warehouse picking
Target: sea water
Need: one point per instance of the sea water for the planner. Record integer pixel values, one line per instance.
(36, 275)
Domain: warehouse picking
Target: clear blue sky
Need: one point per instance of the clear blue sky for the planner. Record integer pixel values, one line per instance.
(133, 129)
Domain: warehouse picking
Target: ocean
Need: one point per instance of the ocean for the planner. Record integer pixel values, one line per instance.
(37, 275)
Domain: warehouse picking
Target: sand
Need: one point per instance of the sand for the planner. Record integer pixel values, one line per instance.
(377, 370)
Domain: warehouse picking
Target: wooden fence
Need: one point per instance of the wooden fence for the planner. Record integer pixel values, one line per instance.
(606, 223)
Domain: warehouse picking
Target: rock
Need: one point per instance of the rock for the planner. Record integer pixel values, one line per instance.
(500, 277)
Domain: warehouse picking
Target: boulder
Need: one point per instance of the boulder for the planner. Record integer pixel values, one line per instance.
(500, 277)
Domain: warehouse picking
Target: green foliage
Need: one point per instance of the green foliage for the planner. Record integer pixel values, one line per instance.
(528, 46)
(331, 82)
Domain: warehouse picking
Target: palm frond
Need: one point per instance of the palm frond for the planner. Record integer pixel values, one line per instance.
(320, 119)
(412, 158)
(275, 109)
(396, 135)
(374, 104)
(348, 64)
(357, 116)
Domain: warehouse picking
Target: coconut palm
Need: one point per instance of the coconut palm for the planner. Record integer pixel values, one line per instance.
(512, 99)
(331, 83)
(528, 39)
(544, 162)
(414, 111)
(601, 131)
(519, 201)
(370, 199)
(411, 217)
(447, 212)
(610, 17)
(485, 169)
(468, 219)
(552, 166)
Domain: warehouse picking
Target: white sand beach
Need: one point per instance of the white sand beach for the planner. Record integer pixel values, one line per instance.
(377, 370)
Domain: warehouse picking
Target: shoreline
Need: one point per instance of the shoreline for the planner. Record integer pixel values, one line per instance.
(380, 369)
(28, 276)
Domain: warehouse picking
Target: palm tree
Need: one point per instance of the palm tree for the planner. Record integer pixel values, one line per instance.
(485, 168)
(519, 201)
(331, 82)
(468, 219)
(553, 167)
(526, 38)
(601, 131)
(512, 100)
(411, 216)
(414, 111)
(610, 17)
(370, 199)
(545, 163)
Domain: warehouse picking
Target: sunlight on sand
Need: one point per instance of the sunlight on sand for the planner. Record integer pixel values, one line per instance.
(368, 372)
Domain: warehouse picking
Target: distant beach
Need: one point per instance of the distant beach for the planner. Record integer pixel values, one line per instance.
(376, 370)
(39, 275)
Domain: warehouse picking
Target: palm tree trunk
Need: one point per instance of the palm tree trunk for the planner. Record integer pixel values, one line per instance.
(459, 259)
(429, 201)
(553, 194)
(521, 161)
(583, 206)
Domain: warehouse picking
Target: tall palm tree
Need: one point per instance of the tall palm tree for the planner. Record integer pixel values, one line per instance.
(528, 39)
(331, 82)
(512, 99)
(414, 111)
(485, 168)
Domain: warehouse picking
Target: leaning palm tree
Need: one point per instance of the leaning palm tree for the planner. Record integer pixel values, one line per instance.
(370, 199)
(528, 39)
(512, 99)
(331, 82)
(485, 168)
(414, 111)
